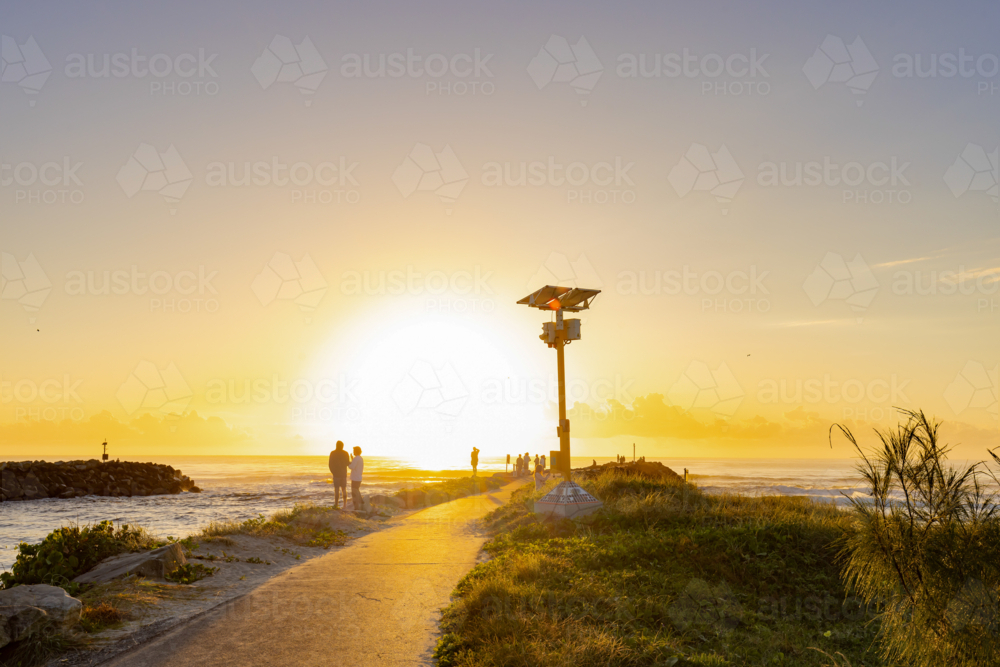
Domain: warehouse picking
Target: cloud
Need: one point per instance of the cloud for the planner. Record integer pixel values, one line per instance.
(650, 416)
(800, 433)
(189, 433)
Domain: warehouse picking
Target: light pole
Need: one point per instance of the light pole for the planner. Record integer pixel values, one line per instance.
(568, 499)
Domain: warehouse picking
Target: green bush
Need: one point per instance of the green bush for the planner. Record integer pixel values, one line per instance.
(70, 551)
(925, 550)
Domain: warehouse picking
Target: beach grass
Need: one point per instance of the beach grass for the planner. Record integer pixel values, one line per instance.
(664, 575)
(450, 489)
(41, 648)
(304, 524)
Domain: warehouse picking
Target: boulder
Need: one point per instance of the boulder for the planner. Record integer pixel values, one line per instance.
(155, 564)
(62, 610)
(10, 489)
(19, 622)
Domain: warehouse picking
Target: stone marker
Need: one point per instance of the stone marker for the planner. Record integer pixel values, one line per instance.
(155, 564)
(568, 500)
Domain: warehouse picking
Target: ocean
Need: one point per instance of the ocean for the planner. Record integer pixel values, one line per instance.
(241, 487)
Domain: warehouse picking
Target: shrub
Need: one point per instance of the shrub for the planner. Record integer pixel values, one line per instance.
(70, 551)
(101, 617)
(924, 551)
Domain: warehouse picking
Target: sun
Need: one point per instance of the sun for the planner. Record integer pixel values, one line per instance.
(427, 388)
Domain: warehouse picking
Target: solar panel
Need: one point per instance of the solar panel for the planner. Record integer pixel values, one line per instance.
(552, 297)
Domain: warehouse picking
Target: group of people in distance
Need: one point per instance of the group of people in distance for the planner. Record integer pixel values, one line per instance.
(522, 468)
(340, 462)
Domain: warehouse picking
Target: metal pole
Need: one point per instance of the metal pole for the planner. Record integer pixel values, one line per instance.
(563, 422)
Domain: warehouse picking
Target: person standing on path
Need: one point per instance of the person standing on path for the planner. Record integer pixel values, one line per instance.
(357, 466)
(475, 460)
(543, 462)
(518, 466)
(339, 459)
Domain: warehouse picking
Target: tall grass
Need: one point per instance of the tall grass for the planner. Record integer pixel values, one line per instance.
(926, 549)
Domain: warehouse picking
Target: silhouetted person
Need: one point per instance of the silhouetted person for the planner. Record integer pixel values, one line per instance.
(475, 460)
(338, 468)
(357, 466)
(543, 462)
(518, 466)
(540, 476)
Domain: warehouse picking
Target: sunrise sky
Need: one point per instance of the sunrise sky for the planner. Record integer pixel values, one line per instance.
(230, 229)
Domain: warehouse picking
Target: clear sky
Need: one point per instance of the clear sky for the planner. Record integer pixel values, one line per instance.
(260, 227)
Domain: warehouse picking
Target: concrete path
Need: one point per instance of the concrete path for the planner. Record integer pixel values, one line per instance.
(375, 602)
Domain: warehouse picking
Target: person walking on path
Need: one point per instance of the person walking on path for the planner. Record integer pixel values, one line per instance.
(357, 466)
(543, 462)
(339, 459)
(518, 466)
(475, 460)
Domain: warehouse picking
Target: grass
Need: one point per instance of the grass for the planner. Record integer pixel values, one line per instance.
(40, 648)
(450, 489)
(305, 524)
(190, 573)
(664, 575)
(102, 617)
(108, 606)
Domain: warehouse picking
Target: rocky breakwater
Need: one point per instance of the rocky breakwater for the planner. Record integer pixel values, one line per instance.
(31, 480)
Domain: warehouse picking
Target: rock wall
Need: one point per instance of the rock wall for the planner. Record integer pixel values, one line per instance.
(30, 480)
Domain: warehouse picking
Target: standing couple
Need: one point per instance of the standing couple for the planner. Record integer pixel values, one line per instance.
(340, 461)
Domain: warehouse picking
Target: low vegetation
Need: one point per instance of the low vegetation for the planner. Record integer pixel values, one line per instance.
(103, 616)
(190, 573)
(41, 648)
(663, 575)
(307, 525)
(925, 550)
(109, 605)
(667, 575)
(70, 551)
(449, 489)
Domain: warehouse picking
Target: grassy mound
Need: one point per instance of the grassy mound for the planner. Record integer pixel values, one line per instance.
(426, 495)
(308, 525)
(664, 575)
